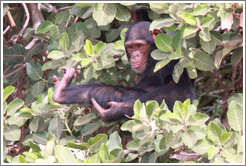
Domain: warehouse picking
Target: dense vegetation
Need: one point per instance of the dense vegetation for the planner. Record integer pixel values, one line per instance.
(207, 40)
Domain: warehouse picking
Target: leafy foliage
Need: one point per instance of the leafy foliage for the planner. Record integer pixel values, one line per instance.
(205, 38)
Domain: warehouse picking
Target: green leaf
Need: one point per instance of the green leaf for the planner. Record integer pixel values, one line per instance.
(190, 19)
(14, 55)
(34, 124)
(95, 142)
(235, 116)
(192, 72)
(205, 35)
(98, 48)
(159, 8)
(13, 106)
(82, 120)
(159, 65)
(104, 154)
(45, 27)
(64, 40)
(34, 70)
(88, 47)
(37, 88)
(56, 126)
(90, 128)
(49, 148)
(122, 13)
(53, 64)
(203, 61)
(12, 133)
(212, 151)
(7, 92)
(198, 119)
(95, 159)
(189, 32)
(176, 43)
(201, 10)
(151, 106)
(76, 40)
(176, 54)
(83, 4)
(214, 132)
(237, 97)
(114, 141)
(201, 146)
(105, 61)
(177, 72)
(88, 73)
(19, 119)
(40, 137)
(56, 54)
(112, 34)
(163, 42)
(207, 22)
(21, 159)
(160, 23)
(30, 157)
(104, 13)
(229, 139)
(172, 118)
(64, 155)
(159, 55)
(189, 138)
(199, 130)
(62, 17)
(208, 46)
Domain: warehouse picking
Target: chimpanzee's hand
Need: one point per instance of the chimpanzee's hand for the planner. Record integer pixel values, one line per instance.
(114, 112)
(66, 79)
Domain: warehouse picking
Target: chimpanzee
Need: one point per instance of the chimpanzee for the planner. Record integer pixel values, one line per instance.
(114, 102)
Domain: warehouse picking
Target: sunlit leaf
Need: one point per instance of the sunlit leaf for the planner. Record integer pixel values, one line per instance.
(104, 13)
(7, 92)
(235, 116)
(64, 155)
(190, 19)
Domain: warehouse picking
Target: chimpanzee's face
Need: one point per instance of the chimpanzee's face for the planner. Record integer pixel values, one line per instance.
(138, 53)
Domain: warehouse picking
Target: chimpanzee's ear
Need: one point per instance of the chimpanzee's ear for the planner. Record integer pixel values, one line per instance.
(155, 32)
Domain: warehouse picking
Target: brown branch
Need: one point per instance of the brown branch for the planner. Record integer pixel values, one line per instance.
(25, 24)
(11, 19)
(6, 30)
(36, 13)
(52, 8)
(22, 66)
(64, 8)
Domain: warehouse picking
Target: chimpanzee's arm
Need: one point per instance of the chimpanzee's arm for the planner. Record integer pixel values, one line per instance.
(66, 94)
(119, 110)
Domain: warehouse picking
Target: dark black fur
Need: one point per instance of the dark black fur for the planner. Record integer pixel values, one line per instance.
(153, 86)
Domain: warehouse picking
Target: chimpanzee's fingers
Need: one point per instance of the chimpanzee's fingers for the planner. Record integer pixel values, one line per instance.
(64, 69)
(112, 103)
(99, 109)
(55, 80)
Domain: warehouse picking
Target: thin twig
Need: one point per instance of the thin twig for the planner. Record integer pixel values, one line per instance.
(6, 30)
(19, 69)
(25, 24)
(76, 19)
(27, 19)
(11, 19)
(64, 8)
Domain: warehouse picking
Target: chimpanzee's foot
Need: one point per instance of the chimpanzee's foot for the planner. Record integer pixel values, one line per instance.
(63, 83)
